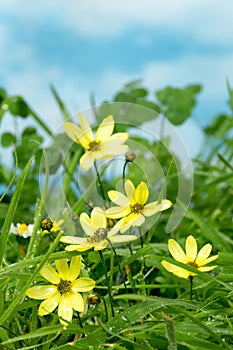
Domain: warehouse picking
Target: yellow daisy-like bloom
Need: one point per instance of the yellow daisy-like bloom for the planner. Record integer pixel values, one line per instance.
(47, 225)
(133, 206)
(99, 236)
(102, 145)
(64, 290)
(192, 258)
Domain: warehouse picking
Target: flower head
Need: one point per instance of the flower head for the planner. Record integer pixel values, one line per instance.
(64, 290)
(192, 258)
(22, 230)
(99, 236)
(47, 225)
(132, 206)
(102, 145)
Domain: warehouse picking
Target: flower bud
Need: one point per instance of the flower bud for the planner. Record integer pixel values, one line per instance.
(130, 156)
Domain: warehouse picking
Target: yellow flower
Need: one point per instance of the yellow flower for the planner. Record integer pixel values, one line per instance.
(64, 290)
(99, 236)
(132, 205)
(191, 258)
(102, 145)
(47, 225)
(22, 230)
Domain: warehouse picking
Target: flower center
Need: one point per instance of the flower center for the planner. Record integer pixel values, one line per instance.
(99, 235)
(193, 264)
(46, 224)
(64, 287)
(94, 146)
(136, 208)
(22, 228)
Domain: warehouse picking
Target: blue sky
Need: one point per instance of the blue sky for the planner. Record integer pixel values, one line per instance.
(84, 46)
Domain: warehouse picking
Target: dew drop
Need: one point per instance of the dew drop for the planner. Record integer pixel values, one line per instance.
(124, 318)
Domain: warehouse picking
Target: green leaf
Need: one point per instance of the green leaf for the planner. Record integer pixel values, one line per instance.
(17, 106)
(177, 104)
(8, 139)
(11, 211)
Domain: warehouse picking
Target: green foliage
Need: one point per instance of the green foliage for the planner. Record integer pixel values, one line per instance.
(152, 306)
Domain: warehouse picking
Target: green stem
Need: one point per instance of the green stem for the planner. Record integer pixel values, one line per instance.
(141, 238)
(191, 287)
(130, 248)
(123, 174)
(107, 281)
(79, 320)
(99, 180)
(118, 264)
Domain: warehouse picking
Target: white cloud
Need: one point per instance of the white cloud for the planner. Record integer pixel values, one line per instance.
(205, 21)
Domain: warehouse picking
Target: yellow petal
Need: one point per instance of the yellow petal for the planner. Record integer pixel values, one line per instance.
(110, 149)
(79, 247)
(153, 207)
(83, 284)
(77, 302)
(63, 269)
(87, 160)
(122, 136)
(203, 254)
(76, 134)
(176, 251)
(100, 245)
(206, 268)
(122, 238)
(117, 212)
(75, 265)
(118, 198)
(50, 274)
(105, 129)
(191, 248)
(86, 128)
(176, 270)
(86, 224)
(72, 239)
(129, 189)
(41, 292)
(207, 261)
(48, 305)
(98, 218)
(131, 220)
(65, 310)
(141, 193)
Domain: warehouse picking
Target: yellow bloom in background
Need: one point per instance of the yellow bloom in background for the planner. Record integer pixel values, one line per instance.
(99, 236)
(64, 290)
(102, 145)
(133, 206)
(22, 230)
(192, 258)
(47, 225)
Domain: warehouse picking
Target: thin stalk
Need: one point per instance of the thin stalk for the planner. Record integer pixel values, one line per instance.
(123, 174)
(191, 288)
(79, 320)
(99, 180)
(130, 248)
(107, 281)
(118, 264)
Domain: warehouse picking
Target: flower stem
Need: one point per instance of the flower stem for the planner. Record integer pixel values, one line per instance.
(130, 248)
(191, 287)
(123, 174)
(99, 180)
(118, 264)
(107, 281)
(79, 320)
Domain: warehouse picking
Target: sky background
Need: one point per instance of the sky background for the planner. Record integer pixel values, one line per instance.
(96, 46)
